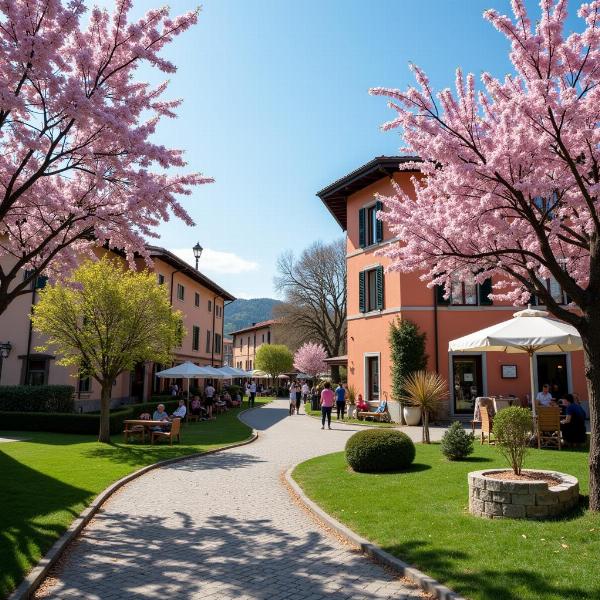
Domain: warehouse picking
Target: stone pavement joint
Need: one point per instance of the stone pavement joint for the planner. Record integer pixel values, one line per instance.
(222, 526)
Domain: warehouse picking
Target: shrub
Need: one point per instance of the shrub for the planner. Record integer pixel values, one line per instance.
(61, 422)
(456, 442)
(37, 398)
(234, 390)
(512, 428)
(378, 450)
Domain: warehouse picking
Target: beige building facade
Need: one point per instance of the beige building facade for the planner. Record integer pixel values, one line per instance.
(200, 300)
(248, 340)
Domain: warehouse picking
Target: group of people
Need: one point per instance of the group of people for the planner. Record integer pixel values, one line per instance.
(572, 425)
(160, 414)
(300, 393)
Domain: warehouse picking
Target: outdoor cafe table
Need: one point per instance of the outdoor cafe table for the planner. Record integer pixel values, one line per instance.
(146, 423)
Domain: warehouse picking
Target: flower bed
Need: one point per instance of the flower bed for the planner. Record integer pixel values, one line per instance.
(496, 497)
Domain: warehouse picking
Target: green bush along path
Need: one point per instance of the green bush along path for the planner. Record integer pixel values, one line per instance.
(422, 517)
(50, 478)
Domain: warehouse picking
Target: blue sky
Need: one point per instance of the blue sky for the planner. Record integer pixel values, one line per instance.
(276, 106)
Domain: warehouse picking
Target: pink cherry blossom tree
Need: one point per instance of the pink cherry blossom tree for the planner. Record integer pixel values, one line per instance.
(512, 186)
(77, 166)
(310, 359)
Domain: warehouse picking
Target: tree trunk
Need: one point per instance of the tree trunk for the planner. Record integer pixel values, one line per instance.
(591, 346)
(425, 427)
(104, 435)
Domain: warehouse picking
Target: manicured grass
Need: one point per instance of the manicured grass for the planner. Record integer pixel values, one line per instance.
(422, 517)
(50, 478)
(317, 415)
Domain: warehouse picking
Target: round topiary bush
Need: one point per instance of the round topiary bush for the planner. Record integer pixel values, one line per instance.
(379, 450)
(456, 442)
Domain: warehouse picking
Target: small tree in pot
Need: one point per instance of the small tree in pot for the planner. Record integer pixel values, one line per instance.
(512, 429)
(426, 390)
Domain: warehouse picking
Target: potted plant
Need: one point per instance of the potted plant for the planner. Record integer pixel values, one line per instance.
(424, 391)
(351, 401)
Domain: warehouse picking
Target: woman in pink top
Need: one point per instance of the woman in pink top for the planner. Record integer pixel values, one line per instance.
(327, 397)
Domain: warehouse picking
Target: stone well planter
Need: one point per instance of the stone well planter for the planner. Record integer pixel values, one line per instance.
(529, 499)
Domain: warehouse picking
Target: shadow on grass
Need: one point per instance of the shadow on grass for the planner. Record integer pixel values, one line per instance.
(224, 556)
(496, 584)
(476, 459)
(27, 499)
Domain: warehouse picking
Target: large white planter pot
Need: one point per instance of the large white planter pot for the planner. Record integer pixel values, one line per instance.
(351, 410)
(412, 415)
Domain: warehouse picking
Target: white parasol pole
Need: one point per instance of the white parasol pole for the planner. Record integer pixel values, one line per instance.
(532, 382)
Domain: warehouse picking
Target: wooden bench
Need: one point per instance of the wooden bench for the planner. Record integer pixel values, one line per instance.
(169, 435)
(382, 416)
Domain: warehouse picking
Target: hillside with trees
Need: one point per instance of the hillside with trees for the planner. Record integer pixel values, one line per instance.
(242, 313)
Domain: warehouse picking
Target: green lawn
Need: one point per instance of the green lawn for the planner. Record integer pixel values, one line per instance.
(422, 517)
(49, 479)
(317, 415)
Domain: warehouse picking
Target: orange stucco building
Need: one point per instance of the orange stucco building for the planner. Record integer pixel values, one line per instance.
(376, 298)
(248, 340)
(200, 300)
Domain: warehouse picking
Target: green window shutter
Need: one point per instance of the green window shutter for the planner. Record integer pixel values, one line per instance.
(379, 280)
(362, 276)
(439, 294)
(362, 231)
(485, 289)
(379, 224)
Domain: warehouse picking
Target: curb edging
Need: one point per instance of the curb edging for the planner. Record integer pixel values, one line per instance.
(427, 583)
(35, 577)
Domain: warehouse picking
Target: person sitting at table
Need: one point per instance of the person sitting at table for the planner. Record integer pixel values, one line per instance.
(180, 411)
(361, 405)
(160, 414)
(573, 425)
(544, 398)
(195, 406)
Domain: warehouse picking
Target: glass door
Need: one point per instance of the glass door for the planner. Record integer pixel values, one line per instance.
(467, 382)
(373, 377)
(552, 369)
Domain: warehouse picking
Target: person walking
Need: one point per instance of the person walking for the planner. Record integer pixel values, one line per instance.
(327, 397)
(252, 393)
(209, 399)
(340, 401)
(298, 393)
(305, 391)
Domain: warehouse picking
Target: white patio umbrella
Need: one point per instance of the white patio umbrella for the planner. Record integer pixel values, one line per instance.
(215, 373)
(186, 370)
(232, 372)
(529, 331)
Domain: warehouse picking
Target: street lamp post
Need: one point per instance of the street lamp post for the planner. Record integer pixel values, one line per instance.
(5, 348)
(197, 249)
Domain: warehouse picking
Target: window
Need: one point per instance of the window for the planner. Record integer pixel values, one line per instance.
(37, 371)
(195, 337)
(208, 341)
(254, 341)
(40, 281)
(370, 290)
(555, 290)
(370, 228)
(263, 338)
(180, 292)
(466, 293)
(84, 385)
(217, 343)
(241, 342)
(210, 306)
(268, 337)
(250, 367)
(196, 299)
(161, 279)
(248, 342)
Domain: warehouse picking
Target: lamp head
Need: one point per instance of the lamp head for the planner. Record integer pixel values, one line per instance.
(197, 249)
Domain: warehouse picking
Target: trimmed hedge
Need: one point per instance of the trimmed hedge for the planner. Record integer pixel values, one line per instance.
(379, 450)
(456, 442)
(61, 422)
(37, 398)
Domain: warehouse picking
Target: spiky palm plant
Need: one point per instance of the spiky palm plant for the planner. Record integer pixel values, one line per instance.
(426, 390)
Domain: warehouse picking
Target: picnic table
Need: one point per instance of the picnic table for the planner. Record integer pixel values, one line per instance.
(133, 426)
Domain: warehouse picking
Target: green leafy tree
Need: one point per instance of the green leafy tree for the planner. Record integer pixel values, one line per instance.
(104, 320)
(512, 429)
(407, 352)
(274, 359)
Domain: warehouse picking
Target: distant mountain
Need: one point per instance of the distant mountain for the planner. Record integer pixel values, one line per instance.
(242, 313)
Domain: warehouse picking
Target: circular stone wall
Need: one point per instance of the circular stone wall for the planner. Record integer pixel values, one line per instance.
(528, 499)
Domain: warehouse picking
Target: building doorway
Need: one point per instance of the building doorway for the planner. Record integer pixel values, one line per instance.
(467, 383)
(552, 369)
(372, 372)
(137, 383)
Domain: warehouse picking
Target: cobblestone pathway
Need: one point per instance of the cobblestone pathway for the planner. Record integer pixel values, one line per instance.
(223, 526)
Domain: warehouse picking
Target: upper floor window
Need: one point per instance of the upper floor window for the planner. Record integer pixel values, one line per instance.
(196, 299)
(263, 338)
(84, 384)
(555, 290)
(370, 290)
(370, 228)
(217, 343)
(241, 342)
(195, 337)
(208, 341)
(180, 292)
(161, 279)
(466, 293)
(210, 306)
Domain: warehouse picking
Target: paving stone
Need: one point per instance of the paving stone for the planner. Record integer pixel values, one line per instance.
(223, 526)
